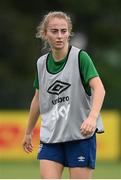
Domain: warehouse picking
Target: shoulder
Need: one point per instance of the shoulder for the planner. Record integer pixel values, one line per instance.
(85, 57)
(84, 54)
(42, 58)
(74, 48)
(75, 51)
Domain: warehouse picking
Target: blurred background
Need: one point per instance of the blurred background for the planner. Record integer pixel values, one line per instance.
(97, 29)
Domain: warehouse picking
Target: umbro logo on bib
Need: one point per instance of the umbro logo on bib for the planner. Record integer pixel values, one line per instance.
(58, 87)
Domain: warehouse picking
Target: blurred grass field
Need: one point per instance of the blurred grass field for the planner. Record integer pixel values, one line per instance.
(30, 170)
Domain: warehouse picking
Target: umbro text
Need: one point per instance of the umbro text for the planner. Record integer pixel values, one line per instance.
(60, 99)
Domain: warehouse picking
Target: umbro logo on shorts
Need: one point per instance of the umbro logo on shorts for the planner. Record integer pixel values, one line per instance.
(81, 158)
(58, 87)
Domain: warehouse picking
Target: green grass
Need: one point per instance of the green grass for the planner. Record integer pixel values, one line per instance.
(30, 170)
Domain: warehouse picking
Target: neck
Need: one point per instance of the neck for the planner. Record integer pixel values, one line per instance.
(59, 54)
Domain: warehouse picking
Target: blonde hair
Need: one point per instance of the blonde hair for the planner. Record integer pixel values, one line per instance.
(41, 29)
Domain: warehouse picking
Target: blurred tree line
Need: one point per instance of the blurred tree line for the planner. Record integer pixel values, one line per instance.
(99, 21)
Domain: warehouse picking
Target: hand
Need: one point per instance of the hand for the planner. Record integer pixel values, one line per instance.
(88, 126)
(27, 143)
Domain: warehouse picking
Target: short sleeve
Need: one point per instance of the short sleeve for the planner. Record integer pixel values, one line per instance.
(87, 70)
(87, 67)
(36, 82)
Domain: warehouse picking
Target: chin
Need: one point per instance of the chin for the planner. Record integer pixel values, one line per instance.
(59, 47)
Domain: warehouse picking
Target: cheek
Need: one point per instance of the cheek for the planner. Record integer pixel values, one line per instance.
(50, 39)
(66, 37)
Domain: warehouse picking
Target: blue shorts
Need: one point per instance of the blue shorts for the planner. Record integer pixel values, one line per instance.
(78, 153)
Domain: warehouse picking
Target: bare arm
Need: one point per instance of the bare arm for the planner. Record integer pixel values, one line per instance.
(89, 125)
(33, 117)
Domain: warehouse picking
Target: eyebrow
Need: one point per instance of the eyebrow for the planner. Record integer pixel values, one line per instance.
(58, 29)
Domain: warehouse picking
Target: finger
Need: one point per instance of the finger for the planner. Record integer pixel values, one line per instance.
(27, 150)
(31, 145)
(83, 128)
(27, 147)
(91, 129)
(87, 127)
(83, 131)
(86, 131)
(30, 148)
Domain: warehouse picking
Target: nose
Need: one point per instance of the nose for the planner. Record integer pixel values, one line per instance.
(59, 34)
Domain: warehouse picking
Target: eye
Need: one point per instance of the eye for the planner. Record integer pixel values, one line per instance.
(64, 31)
(54, 31)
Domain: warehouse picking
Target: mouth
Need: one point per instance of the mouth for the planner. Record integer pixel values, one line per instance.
(59, 42)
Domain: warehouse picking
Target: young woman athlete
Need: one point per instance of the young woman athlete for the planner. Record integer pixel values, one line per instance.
(69, 96)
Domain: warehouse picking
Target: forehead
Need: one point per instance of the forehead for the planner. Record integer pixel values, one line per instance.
(57, 23)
